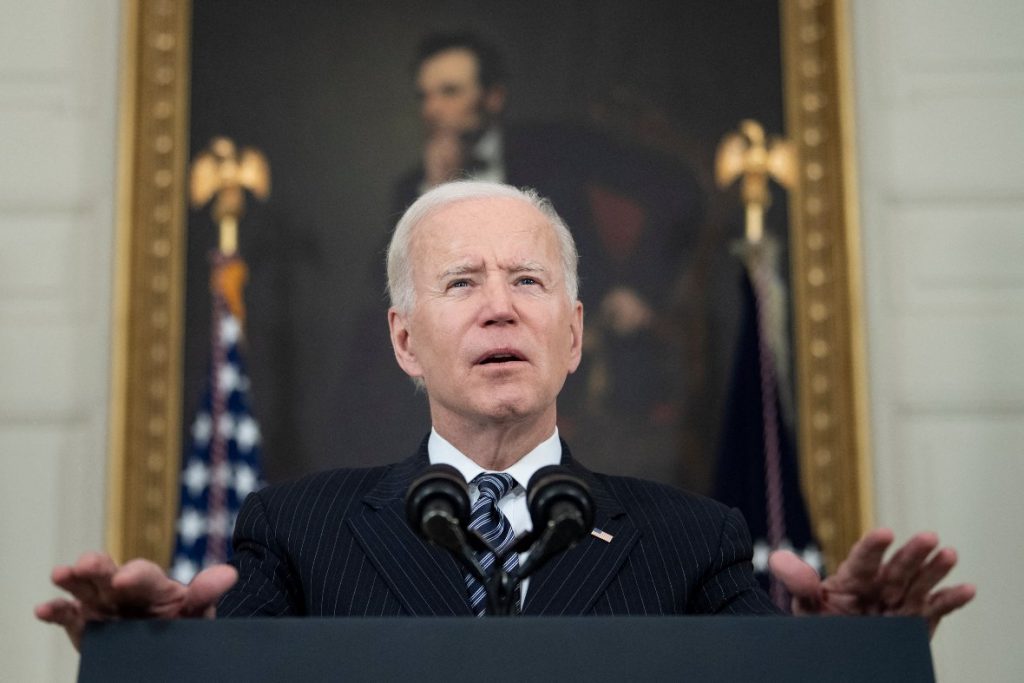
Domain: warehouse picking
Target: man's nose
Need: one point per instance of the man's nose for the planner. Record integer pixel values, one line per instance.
(498, 306)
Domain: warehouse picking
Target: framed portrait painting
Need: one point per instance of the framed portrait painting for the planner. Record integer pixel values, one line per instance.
(612, 110)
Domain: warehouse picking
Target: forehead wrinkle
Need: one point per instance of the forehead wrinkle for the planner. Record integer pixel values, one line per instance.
(464, 267)
(467, 263)
(470, 267)
(527, 266)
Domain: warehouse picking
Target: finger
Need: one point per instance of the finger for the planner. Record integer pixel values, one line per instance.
(799, 578)
(60, 611)
(142, 588)
(60, 575)
(88, 580)
(94, 564)
(207, 587)
(942, 602)
(66, 613)
(858, 573)
(926, 579)
(904, 567)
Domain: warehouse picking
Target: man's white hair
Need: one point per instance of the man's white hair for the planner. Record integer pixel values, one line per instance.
(401, 290)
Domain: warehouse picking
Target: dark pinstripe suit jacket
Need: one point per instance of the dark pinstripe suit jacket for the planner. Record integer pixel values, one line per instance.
(337, 544)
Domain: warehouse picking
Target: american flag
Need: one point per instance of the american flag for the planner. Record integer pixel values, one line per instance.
(221, 466)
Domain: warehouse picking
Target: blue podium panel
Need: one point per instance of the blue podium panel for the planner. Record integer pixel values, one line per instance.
(510, 649)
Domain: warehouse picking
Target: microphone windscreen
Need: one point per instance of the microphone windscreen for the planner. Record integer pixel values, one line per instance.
(555, 488)
(439, 487)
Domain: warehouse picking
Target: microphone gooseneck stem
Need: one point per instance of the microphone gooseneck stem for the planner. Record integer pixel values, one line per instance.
(501, 589)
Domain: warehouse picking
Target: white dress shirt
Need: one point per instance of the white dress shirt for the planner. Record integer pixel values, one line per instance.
(513, 505)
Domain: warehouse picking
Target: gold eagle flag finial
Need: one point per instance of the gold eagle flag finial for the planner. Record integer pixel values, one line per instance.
(748, 153)
(221, 172)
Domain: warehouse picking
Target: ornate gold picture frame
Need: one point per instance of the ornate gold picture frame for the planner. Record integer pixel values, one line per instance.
(145, 442)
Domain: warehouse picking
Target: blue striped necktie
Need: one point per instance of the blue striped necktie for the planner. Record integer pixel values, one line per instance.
(486, 519)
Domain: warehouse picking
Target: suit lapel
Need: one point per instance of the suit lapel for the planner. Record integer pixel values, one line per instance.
(570, 583)
(424, 578)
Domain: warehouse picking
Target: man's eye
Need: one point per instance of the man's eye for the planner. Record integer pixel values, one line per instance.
(528, 281)
(458, 283)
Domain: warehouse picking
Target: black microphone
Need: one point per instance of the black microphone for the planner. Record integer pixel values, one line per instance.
(562, 511)
(437, 507)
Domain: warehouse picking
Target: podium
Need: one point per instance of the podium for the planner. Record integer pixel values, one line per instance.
(510, 649)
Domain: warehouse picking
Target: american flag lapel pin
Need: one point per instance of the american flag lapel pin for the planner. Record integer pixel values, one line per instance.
(603, 535)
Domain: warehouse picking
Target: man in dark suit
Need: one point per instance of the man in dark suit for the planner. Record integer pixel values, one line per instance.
(485, 318)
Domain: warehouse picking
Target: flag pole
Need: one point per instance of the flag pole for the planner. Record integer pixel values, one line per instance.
(222, 466)
(748, 155)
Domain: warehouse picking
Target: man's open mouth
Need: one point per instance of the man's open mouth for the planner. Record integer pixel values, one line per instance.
(496, 357)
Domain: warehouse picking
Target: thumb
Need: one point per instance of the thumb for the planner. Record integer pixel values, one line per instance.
(799, 578)
(207, 587)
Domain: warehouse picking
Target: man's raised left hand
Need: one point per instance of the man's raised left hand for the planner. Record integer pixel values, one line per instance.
(867, 584)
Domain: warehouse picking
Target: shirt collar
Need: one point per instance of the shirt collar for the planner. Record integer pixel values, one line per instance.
(489, 148)
(548, 452)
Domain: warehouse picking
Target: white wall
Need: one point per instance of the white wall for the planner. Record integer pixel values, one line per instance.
(58, 98)
(940, 108)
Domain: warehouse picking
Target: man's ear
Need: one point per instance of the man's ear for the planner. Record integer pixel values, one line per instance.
(494, 100)
(401, 342)
(576, 341)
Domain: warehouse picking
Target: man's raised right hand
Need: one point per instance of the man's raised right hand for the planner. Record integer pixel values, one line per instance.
(102, 591)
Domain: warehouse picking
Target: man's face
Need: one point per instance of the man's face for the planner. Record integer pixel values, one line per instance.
(492, 332)
(451, 97)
